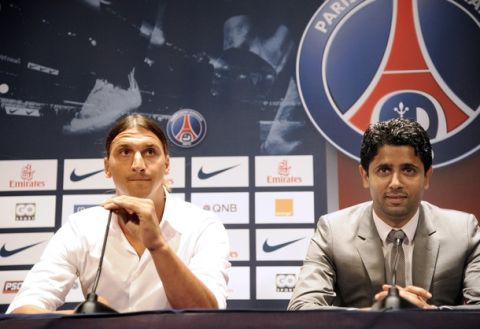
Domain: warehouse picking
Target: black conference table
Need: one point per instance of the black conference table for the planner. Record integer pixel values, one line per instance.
(253, 319)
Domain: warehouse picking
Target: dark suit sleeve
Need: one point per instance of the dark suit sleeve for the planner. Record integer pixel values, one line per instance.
(315, 287)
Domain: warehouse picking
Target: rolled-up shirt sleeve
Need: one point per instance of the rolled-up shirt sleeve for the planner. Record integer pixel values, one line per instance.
(50, 279)
(209, 262)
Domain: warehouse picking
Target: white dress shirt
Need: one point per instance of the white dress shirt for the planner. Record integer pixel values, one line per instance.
(128, 282)
(407, 245)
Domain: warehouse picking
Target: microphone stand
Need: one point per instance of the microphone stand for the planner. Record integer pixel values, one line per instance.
(91, 304)
(393, 300)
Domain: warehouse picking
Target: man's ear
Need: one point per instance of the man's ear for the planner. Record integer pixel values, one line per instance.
(428, 176)
(106, 168)
(167, 164)
(364, 176)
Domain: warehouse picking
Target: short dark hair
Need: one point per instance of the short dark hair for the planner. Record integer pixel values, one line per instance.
(396, 132)
(132, 121)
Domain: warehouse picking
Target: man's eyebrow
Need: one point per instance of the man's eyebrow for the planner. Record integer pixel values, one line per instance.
(122, 145)
(383, 165)
(129, 145)
(409, 164)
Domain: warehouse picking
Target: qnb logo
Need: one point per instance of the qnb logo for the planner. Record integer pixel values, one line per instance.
(25, 211)
(410, 69)
(26, 179)
(222, 208)
(80, 207)
(285, 282)
(12, 287)
(283, 175)
(186, 128)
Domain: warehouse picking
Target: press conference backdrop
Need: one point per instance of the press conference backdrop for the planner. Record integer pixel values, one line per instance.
(264, 103)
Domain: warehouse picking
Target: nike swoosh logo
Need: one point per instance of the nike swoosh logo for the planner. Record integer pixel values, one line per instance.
(76, 178)
(272, 248)
(204, 175)
(7, 253)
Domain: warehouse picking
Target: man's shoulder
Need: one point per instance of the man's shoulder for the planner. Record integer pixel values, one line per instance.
(436, 213)
(347, 219)
(448, 222)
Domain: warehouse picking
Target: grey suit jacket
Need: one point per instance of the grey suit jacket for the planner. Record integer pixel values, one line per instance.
(345, 266)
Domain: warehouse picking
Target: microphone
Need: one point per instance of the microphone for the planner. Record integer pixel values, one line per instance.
(393, 300)
(91, 304)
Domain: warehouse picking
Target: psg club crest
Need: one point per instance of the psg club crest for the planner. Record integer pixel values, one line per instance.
(186, 128)
(360, 62)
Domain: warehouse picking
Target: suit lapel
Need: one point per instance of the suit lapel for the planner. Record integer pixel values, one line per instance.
(369, 247)
(425, 252)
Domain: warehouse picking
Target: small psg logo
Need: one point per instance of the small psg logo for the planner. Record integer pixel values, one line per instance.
(186, 128)
(360, 62)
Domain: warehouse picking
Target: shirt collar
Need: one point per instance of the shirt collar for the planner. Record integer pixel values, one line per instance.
(409, 228)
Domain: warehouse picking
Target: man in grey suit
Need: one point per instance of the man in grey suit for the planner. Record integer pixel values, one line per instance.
(436, 256)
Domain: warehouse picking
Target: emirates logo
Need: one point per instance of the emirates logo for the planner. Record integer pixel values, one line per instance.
(284, 168)
(283, 175)
(27, 173)
(26, 179)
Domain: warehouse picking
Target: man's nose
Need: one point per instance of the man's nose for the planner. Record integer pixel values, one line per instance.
(395, 182)
(138, 164)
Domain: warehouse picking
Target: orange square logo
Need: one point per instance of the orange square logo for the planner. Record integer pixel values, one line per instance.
(283, 207)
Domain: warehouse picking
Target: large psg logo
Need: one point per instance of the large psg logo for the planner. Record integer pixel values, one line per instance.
(360, 62)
